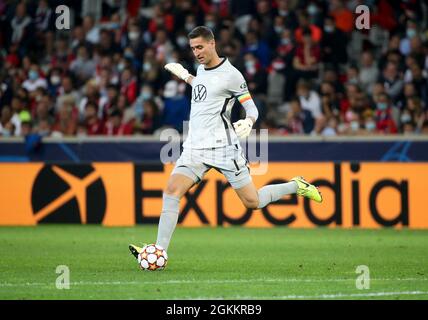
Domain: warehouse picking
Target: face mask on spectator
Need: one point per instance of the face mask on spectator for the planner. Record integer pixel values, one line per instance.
(382, 105)
(370, 125)
(410, 33)
(133, 35)
(405, 118)
(278, 65)
(120, 67)
(285, 41)
(115, 25)
(33, 75)
(353, 81)
(210, 24)
(129, 55)
(146, 95)
(278, 29)
(147, 66)
(250, 66)
(189, 26)
(182, 41)
(312, 9)
(55, 80)
(328, 29)
(355, 125)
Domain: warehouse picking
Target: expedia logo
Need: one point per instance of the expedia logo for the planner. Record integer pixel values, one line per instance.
(199, 93)
(68, 193)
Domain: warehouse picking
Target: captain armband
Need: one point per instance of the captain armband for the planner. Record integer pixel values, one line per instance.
(249, 105)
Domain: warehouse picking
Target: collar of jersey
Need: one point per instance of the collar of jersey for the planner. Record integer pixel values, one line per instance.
(212, 68)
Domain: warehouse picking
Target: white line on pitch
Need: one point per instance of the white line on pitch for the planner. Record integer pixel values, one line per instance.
(330, 296)
(220, 281)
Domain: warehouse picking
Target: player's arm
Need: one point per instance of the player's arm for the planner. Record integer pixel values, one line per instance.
(243, 127)
(181, 72)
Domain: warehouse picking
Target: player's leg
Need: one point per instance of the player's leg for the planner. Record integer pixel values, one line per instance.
(238, 175)
(257, 199)
(188, 170)
(234, 166)
(178, 185)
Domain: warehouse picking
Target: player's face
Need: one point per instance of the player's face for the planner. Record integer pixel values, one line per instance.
(202, 49)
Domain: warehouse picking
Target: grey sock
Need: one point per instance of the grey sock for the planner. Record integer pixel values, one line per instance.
(274, 192)
(168, 220)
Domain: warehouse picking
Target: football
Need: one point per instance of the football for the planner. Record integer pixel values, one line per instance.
(153, 257)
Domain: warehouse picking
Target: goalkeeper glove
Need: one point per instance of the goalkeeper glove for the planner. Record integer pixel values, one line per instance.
(178, 70)
(243, 127)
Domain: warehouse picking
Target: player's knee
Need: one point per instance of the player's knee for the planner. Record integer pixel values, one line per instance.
(251, 203)
(173, 189)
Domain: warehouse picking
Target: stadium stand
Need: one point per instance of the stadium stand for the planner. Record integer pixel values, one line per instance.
(311, 72)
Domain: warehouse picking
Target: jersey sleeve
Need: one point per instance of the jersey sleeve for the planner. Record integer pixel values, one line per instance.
(237, 84)
(239, 90)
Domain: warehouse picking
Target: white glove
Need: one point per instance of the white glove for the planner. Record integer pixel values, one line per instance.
(178, 70)
(243, 127)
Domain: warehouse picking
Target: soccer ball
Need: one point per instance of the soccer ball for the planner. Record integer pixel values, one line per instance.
(152, 257)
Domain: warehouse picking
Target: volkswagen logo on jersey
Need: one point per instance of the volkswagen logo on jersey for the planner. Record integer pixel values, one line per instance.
(199, 93)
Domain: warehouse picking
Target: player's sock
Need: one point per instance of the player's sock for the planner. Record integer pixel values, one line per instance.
(168, 220)
(274, 192)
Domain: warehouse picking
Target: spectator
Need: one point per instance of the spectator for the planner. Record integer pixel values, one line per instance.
(151, 120)
(255, 75)
(309, 99)
(392, 80)
(93, 125)
(83, 67)
(343, 16)
(66, 122)
(307, 58)
(384, 120)
(257, 47)
(128, 85)
(114, 125)
(21, 27)
(333, 44)
(91, 30)
(411, 32)
(305, 24)
(287, 13)
(35, 80)
(6, 126)
(67, 91)
(299, 120)
(369, 73)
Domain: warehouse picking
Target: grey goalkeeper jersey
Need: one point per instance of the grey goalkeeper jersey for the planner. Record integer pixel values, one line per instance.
(214, 91)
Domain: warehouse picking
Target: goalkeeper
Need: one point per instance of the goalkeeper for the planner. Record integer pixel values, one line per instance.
(212, 142)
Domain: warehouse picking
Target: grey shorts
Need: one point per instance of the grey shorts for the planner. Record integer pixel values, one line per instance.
(229, 160)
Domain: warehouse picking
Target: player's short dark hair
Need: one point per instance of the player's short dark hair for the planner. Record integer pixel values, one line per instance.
(201, 31)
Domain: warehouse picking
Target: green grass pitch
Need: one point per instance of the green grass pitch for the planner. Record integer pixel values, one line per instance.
(214, 263)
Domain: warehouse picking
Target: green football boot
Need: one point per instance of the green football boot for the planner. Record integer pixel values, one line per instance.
(307, 190)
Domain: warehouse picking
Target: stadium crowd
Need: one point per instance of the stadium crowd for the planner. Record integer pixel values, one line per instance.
(309, 69)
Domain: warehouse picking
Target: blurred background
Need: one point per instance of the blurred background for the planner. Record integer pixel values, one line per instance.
(310, 71)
